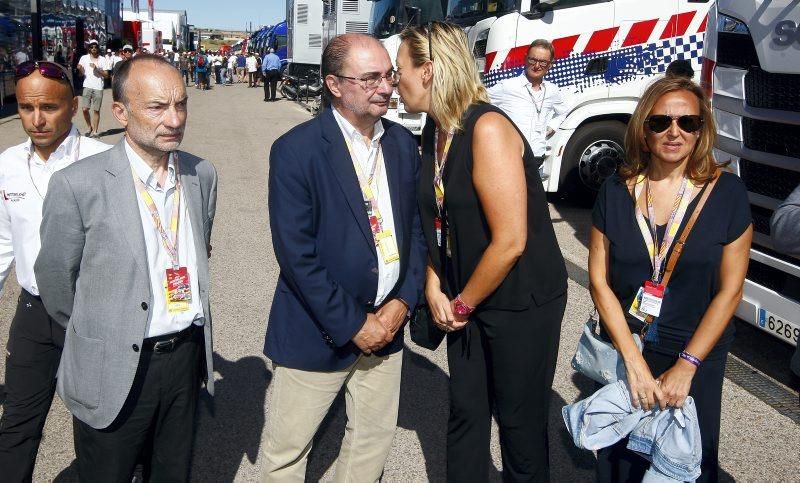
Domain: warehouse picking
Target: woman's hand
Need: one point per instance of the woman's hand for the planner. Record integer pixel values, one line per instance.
(676, 382)
(440, 307)
(645, 391)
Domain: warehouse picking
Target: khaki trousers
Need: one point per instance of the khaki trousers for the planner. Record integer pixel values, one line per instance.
(301, 399)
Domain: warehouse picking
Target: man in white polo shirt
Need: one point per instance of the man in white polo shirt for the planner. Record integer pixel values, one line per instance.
(46, 106)
(93, 68)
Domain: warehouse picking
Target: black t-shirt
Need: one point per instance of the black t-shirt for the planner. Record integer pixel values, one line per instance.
(695, 280)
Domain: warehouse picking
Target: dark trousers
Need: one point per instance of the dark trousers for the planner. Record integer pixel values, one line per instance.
(185, 73)
(617, 464)
(156, 421)
(34, 351)
(505, 360)
(271, 84)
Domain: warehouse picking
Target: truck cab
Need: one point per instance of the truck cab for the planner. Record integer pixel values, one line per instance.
(751, 70)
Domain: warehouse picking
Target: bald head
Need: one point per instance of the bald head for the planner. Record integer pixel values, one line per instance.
(143, 64)
(46, 107)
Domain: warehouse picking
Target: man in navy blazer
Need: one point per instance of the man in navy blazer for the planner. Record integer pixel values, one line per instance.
(347, 236)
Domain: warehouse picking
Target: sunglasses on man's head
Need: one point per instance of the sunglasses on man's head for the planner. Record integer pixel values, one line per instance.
(658, 123)
(47, 69)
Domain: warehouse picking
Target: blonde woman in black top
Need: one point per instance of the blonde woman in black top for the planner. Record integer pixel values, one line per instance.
(638, 213)
(496, 281)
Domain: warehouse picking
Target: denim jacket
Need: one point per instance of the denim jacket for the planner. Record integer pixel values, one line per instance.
(669, 439)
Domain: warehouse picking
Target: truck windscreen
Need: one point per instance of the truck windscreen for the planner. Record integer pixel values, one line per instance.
(459, 9)
(390, 17)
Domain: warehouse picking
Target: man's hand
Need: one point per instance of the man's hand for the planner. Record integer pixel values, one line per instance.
(392, 314)
(372, 336)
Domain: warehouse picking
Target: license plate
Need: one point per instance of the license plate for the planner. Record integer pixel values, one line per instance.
(778, 326)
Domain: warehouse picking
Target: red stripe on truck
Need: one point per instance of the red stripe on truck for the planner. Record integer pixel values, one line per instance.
(601, 40)
(640, 32)
(678, 25)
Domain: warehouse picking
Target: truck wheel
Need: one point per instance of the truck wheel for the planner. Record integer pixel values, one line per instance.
(592, 155)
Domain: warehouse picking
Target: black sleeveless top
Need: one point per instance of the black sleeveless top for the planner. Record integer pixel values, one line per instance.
(539, 274)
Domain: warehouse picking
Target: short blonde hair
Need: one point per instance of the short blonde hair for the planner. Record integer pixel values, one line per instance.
(456, 83)
(701, 166)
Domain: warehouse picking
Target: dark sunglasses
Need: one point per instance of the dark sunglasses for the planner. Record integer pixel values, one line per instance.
(658, 123)
(47, 69)
(430, 46)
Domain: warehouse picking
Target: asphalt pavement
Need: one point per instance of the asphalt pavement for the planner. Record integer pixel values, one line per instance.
(233, 128)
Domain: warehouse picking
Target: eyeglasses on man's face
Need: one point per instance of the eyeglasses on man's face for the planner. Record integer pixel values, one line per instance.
(540, 62)
(373, 80)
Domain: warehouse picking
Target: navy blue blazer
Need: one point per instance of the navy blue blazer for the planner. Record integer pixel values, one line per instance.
(324, 246)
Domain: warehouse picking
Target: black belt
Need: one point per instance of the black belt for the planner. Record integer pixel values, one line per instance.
(28, 294)
(168, 342)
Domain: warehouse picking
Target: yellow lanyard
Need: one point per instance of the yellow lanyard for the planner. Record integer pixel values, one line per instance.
(170, 241)
(438, 168)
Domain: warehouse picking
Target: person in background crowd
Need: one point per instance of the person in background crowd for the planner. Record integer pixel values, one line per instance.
(496, 280)
(241, 67)
(217, 62)
(271, 66)
(344, 290)
(184, 66)
(252, 68)
(201, 70)
(92, 67)
(638, 215)
(127, 54)
(535, 105)
(258, 69)
(108, 67)
(131, 371)
(231, 68)
(223, 70)
(785, 231)
(680, 68)
(176, 58)
(46, 105)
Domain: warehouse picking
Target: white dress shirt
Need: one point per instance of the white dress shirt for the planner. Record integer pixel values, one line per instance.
(365, 151)
(23, 187)
(158, 260)
(250, 62)
(517, 97)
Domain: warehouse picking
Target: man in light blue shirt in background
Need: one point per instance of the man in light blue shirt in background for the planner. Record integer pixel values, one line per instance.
(271, 67)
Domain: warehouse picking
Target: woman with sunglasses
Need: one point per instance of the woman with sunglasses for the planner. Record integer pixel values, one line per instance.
(496, 280)
(638, 215)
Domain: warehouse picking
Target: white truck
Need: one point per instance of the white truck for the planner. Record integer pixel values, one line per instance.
(606, 52)
(751, 69)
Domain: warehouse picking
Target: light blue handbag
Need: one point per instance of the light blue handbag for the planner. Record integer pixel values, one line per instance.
(596, 358)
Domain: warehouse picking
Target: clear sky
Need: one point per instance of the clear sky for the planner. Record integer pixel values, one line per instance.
(223, 14)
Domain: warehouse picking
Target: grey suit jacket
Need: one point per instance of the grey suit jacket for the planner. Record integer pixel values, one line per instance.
(93, 275)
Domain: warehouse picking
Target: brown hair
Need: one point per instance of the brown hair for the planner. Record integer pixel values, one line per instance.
(456, 83)
(701, 166)
(544, 44)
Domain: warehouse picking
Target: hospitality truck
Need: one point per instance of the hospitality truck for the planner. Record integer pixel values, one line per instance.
(751, 69)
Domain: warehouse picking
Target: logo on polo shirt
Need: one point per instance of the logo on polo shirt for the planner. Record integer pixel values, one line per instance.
(12, 196)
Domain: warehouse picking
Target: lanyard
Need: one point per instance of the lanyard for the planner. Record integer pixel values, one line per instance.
(438, 168)
(170, 242)
(366, 182)
(76, 152)
(679, 206)
(529, 88)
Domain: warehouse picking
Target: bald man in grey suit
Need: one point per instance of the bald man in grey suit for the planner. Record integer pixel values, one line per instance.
(124, 267)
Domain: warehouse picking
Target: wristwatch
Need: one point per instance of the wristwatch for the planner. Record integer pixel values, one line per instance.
(461, 308)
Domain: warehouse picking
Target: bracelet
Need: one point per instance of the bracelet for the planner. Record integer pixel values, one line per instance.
(461, 307)
(690, 359)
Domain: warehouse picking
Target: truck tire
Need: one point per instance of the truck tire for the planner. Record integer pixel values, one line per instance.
(593, 154)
